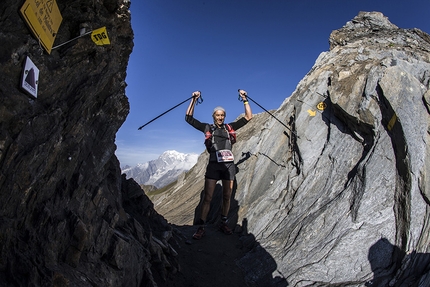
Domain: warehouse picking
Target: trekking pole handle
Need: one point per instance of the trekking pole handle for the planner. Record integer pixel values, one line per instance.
(200, 99)
(240, 98)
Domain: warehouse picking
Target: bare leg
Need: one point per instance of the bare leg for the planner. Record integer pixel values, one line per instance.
(210, 185)
(206, 204)
(227, 188)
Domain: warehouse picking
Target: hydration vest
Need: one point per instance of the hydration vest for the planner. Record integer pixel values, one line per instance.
(210, 139)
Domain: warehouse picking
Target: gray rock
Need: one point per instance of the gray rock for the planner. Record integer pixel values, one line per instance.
(67, 217)
(338, 199)
(342, 198)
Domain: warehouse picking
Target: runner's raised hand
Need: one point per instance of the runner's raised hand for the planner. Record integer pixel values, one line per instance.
(196, 94)
(243, 94)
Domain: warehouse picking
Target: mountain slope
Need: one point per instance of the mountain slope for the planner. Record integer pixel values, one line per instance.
(341, 197)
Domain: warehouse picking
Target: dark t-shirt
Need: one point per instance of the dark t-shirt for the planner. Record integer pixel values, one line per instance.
(220, 134)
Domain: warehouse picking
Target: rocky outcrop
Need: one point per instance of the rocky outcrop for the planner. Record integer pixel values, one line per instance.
(341, 198)
(67, 218)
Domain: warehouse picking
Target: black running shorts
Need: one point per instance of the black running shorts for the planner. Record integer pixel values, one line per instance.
(220, 170)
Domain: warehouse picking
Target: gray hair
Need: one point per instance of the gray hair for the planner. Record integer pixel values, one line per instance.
(219, 108)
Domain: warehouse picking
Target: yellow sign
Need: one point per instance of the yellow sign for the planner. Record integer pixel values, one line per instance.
(100, 36)
(44, 18)
(312, 113)
(321, 106)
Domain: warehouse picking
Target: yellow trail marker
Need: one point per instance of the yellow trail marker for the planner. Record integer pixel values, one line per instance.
(392, 122)
(321, 106)
(312, 113)
(100, 36)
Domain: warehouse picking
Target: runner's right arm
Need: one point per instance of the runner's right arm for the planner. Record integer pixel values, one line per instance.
(190, 111)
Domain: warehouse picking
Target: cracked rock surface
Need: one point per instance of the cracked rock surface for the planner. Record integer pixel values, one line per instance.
(341, 198)
(67, 217)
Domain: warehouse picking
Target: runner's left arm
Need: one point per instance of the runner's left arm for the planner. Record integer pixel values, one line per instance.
(248, 112)
(239, 123)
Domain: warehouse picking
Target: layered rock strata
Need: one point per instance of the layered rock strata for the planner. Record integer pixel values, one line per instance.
(341, 197)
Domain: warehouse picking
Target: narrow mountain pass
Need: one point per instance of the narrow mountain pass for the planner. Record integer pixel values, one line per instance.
(211, 261)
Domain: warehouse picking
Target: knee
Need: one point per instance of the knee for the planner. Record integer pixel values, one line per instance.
(226, 196)
(207, 199)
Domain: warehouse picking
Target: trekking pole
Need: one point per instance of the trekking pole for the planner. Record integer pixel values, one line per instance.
(198, 102)
(240, 99)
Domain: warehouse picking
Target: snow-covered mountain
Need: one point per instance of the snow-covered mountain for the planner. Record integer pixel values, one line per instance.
(163, 170)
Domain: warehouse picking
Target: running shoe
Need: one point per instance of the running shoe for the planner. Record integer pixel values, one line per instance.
(199, 233)
(224, 228)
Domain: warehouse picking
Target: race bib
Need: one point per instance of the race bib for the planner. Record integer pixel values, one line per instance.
(224, 155)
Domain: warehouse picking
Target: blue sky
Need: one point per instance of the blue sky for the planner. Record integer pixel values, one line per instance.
(218, 46)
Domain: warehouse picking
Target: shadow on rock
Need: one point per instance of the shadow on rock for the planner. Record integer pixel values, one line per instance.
(217, 254)
(258, 265)
(222, 260)
(391, 266)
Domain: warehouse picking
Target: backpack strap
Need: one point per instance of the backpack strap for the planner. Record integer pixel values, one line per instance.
(209, 129)
(210, 139)
(231, 133)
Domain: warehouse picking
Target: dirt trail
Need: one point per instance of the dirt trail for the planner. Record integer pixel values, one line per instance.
(209, 262)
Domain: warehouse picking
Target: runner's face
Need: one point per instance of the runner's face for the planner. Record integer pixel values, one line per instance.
(219, 117)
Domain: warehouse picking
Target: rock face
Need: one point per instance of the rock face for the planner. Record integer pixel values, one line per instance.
(341, 198)
(67, 217)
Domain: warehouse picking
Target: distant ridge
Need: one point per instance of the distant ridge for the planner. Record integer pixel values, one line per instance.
(163, 170)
